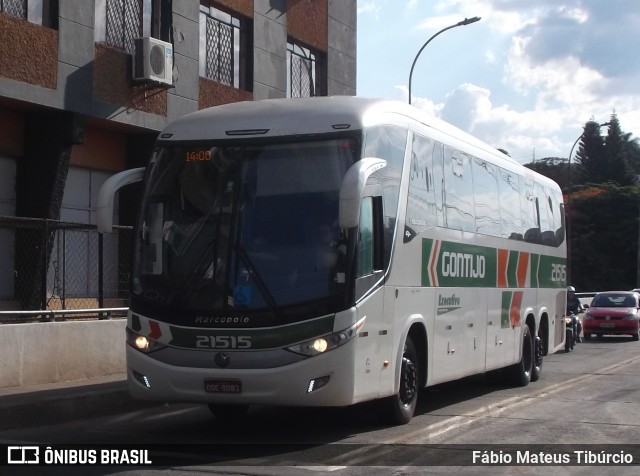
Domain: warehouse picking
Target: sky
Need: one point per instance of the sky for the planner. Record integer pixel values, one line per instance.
(525, 78)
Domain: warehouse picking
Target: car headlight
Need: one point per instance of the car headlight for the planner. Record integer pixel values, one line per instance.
(587, 317)
(629, 317)
(320, 345)
(142, 343)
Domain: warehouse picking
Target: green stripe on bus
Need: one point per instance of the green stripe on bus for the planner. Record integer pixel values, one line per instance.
(427, 247)
(534, 270)
(464, 265)
(512, 269)
(507, 296)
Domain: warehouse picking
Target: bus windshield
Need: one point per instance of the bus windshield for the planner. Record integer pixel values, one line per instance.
(243, 227)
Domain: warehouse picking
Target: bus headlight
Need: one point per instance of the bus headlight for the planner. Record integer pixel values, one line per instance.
(142, 343)
(320, 345)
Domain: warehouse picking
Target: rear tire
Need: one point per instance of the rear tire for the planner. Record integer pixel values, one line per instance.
(568, 340)
(520, 373)
(636, 336)
(398, 409)
(538, 350)
(587, 336)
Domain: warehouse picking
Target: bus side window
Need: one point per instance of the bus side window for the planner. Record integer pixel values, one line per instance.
(530, 216)
(459, 197)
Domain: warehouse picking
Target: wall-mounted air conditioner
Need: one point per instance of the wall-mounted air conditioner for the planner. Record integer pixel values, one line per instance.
(153, 60)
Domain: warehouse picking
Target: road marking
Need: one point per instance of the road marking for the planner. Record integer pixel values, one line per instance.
(424, 434)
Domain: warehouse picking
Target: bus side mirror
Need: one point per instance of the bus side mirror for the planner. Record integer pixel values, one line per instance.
(107, 194)
(352, 187)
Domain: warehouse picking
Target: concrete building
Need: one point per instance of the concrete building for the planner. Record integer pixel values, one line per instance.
(71, 113)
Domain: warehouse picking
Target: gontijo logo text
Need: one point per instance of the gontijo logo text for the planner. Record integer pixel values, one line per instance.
(449, 264)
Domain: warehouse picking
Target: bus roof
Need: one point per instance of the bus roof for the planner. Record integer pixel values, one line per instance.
(270, 118)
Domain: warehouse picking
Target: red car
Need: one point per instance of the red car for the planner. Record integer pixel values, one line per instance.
(613, 312)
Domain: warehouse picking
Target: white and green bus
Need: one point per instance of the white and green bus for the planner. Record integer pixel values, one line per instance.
(330, 251)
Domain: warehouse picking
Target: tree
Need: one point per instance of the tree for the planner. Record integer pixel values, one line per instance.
(591, 156)
(553, 167)
(617, 154)
(604, 237)
(614, 158)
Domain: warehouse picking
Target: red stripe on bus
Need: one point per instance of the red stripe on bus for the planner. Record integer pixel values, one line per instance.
(516, 305)
(523, 266)
(503, 261)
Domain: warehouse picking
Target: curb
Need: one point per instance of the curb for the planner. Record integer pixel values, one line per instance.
(48, 406)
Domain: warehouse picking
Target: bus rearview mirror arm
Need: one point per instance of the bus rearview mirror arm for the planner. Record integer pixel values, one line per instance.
(107, 194)
(352, 187)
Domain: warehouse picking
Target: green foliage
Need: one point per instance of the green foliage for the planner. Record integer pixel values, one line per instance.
(604, 237)
(602, 206)
(553, 167)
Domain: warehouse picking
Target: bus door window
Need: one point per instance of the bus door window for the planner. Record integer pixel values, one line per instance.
(388, 142)
(369, 260)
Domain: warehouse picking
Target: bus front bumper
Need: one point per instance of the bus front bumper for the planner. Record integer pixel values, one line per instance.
(323, 380)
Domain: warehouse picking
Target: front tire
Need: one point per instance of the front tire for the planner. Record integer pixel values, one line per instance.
(399, 409)
(568, 340)
(520, 373)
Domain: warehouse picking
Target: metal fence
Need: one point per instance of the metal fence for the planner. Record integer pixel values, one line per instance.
(55, 266)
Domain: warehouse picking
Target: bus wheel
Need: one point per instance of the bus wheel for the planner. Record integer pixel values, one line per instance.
(398, 409)
(520, 373)
(228, 412)
(538, 350)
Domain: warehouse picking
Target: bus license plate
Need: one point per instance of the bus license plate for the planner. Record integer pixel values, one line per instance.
(222, 386)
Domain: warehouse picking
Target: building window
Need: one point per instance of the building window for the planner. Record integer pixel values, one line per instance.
(120, 22)
(304, 78)
(224, 47)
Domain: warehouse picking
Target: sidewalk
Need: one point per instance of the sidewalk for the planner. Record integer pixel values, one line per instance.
(47, 404)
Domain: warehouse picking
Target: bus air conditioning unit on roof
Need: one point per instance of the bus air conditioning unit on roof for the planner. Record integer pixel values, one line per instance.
(153, 60)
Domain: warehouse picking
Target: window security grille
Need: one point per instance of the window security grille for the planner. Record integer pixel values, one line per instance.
(15, 8)
(124, 23)
(220, 41)
(302, 71)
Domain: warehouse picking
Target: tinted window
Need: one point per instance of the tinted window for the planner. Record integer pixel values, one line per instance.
(487, 205)
(421, 202)
(388, 143)
(459, 201)
(510, 213)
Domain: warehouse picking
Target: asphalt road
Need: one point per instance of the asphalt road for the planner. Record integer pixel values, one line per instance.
(587, 400)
